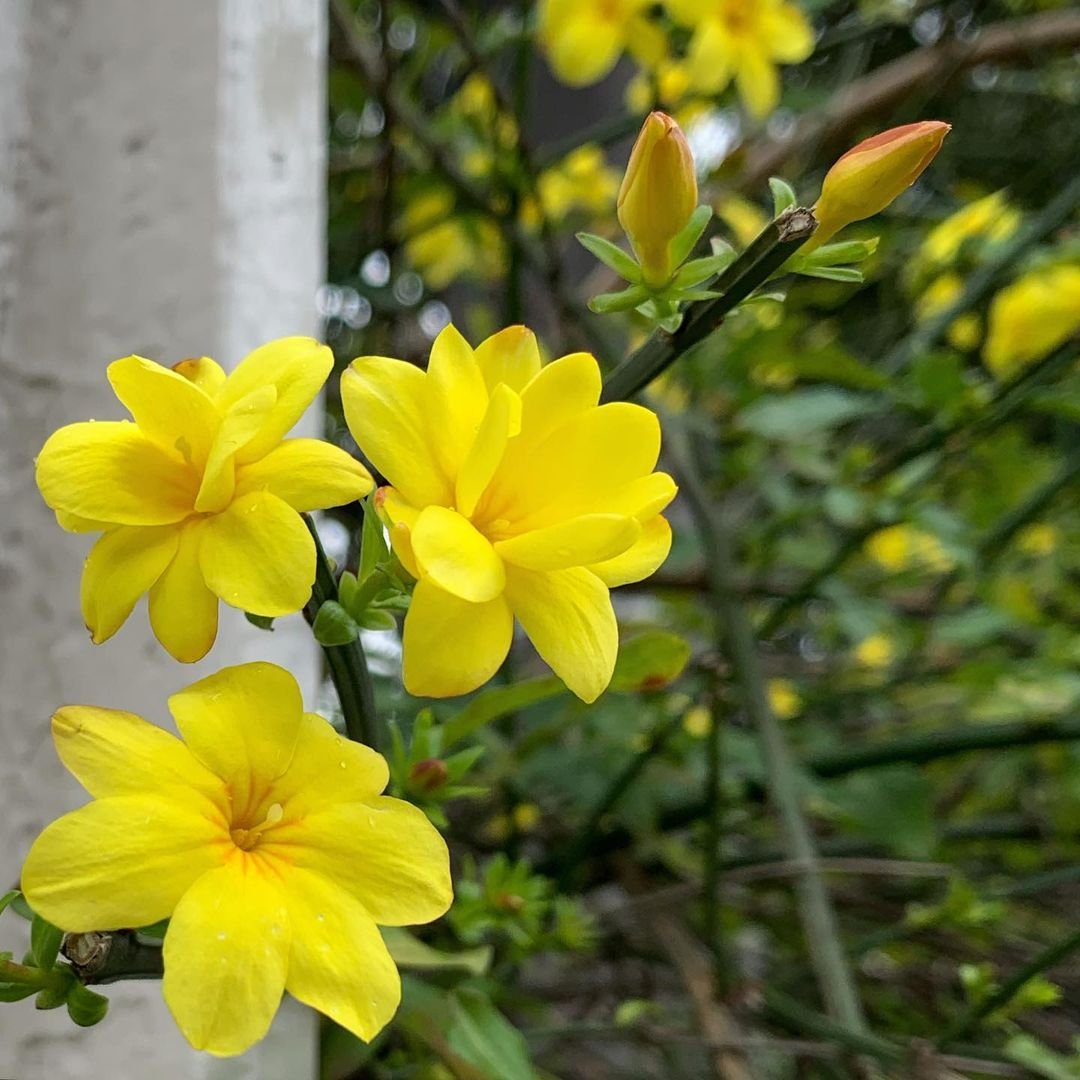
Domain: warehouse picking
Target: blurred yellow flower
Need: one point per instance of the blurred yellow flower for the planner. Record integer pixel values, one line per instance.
(1042, 538)
(697, 721)
(990, 218)
(744, 218)
(199, 499)
(876, 651)
(1032, 317)
(784, 698)
(264, 839)
(904, 547)
(514, 495)
(582, 182)
(744, 41)
(965, 331)
(583, 39)
(443, 244)
(526, 816)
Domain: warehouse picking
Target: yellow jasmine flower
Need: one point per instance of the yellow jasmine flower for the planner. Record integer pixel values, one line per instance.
(784, 698)
(904, 547)
(1042, 538)
(513, 494)
(991, 218)
(583, 180)
(262, 836)
(444, 245)
(1032, 317)
(583, 39)
(964, 332)
(744, 218)
(199, 499)
(875, 651)
(744, 41)
(526, 817)
(697, 721)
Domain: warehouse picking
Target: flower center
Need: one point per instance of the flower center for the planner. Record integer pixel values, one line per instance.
(247, 838)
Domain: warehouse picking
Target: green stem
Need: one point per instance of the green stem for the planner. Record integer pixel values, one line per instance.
(819, 920)
(347, 664)
(113, 956)
(777, 242)
(1009, 989)
(24, 975)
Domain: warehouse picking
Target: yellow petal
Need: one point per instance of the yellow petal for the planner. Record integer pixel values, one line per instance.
(582, 50)
(758, 82)
(259, 556)
(118, 753)
(711, 59)
(384, 408)
(74, 523)
(455, 556)
(339, 963)
(240, 425)
(327, 769)
(788, 35)
(242, 723)
(401, 543)
(564, 388)
(169, 409)
(226, 957)
(205, 372)
(183, 611)
(121, 566)
(456, 398)
(643, 559)
(296, 367)
(642, 498)
(569, 619)
(121, 861)
(384, 852)
(110, 471)
(501, 422)
(451, 646)
(576, 542)
(511, 356)
(308, 474)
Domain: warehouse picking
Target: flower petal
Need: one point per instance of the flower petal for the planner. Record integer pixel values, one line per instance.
(575, 542)
(501, 422)
(121, 861)
(563, 389)
(511, 356)
(183, 611)
(226, 957)
(118, 753)
(172, 411)
(296, 367)
(787, 34)
(455, 556)
(122, 565)
(582, 50)
(451, 646)
(242, 723)
(339, 963)
(74, 523)
(259, 556)
(384, 852)
(569, 619)
(308, 474)
(384, 408)
(240, 425)
(711, 57)
(642, 498)
(456, 398)
(110, 471)
(205, 372)
(643, 559)
(758, 81)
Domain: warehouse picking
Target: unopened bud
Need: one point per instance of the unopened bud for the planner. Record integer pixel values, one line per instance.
(428, 775)
(871, 175)
(658, 194)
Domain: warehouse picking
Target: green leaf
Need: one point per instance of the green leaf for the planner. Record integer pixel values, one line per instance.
(611, 255)
(847, 251)
(374, 619)
(694, 295)
(832, 273)
(347, 587)
(263, 622)
(481, 1035)
(373, 549)
(489, 705)
(1041, 1060)
(805, 412)
(650, 661)
(9, 897)
(892, 807)
(53, 997)
(45, 942)
(16, 991)
(85, 1007)
(689, 235)
(410, 952)
(697, 270)
(783, 195)
(334, 625)
(607, 303)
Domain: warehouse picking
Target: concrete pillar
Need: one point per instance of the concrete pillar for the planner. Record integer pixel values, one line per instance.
(161, 192)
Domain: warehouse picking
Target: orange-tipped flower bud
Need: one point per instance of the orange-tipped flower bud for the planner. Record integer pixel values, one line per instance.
(869, 176)
(428, 775)
(658, 194)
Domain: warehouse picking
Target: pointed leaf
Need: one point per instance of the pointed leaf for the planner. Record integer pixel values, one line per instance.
(373, 549)
(833, 273)
(650, 661)
(783, 195)
(697, 270)
(481, 1035)
(689, 235)
(611, 255)
(489, 705)
(333, 625)
(45, 942)
(410, 952)
(606, 303)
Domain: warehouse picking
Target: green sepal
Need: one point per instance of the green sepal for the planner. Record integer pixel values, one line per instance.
(697, 270)
(45, 942)
(377, 619)
(373, 549)
(783, 195)
(263, 622)
(685, 239)
(333, 625)
(52, 997)
(347, 586)
(663, 314)
(16, 991)
(611, 255)
(832, 273)
(847, 251)
(693, 295)
(606, 303)
(84, 1006)
(9, 897)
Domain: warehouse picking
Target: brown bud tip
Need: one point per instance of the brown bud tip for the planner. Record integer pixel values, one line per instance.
(428, 775)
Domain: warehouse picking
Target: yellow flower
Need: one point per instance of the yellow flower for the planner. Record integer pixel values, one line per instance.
(265, 839)
(744, 41)
(658, 194)
(513, 494)
(873, 173)
(990, 217)
(876, 651)
(199, 498)
(784, 698)
(526, 817)
(964, 332)
(904, 547)
(582, 180)
(697, 721)
(742, 217)
(444, 245)
(1042, 538)
(1032, 317)
(583, 39)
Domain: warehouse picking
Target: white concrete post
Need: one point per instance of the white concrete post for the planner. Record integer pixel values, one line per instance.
(161, 192)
